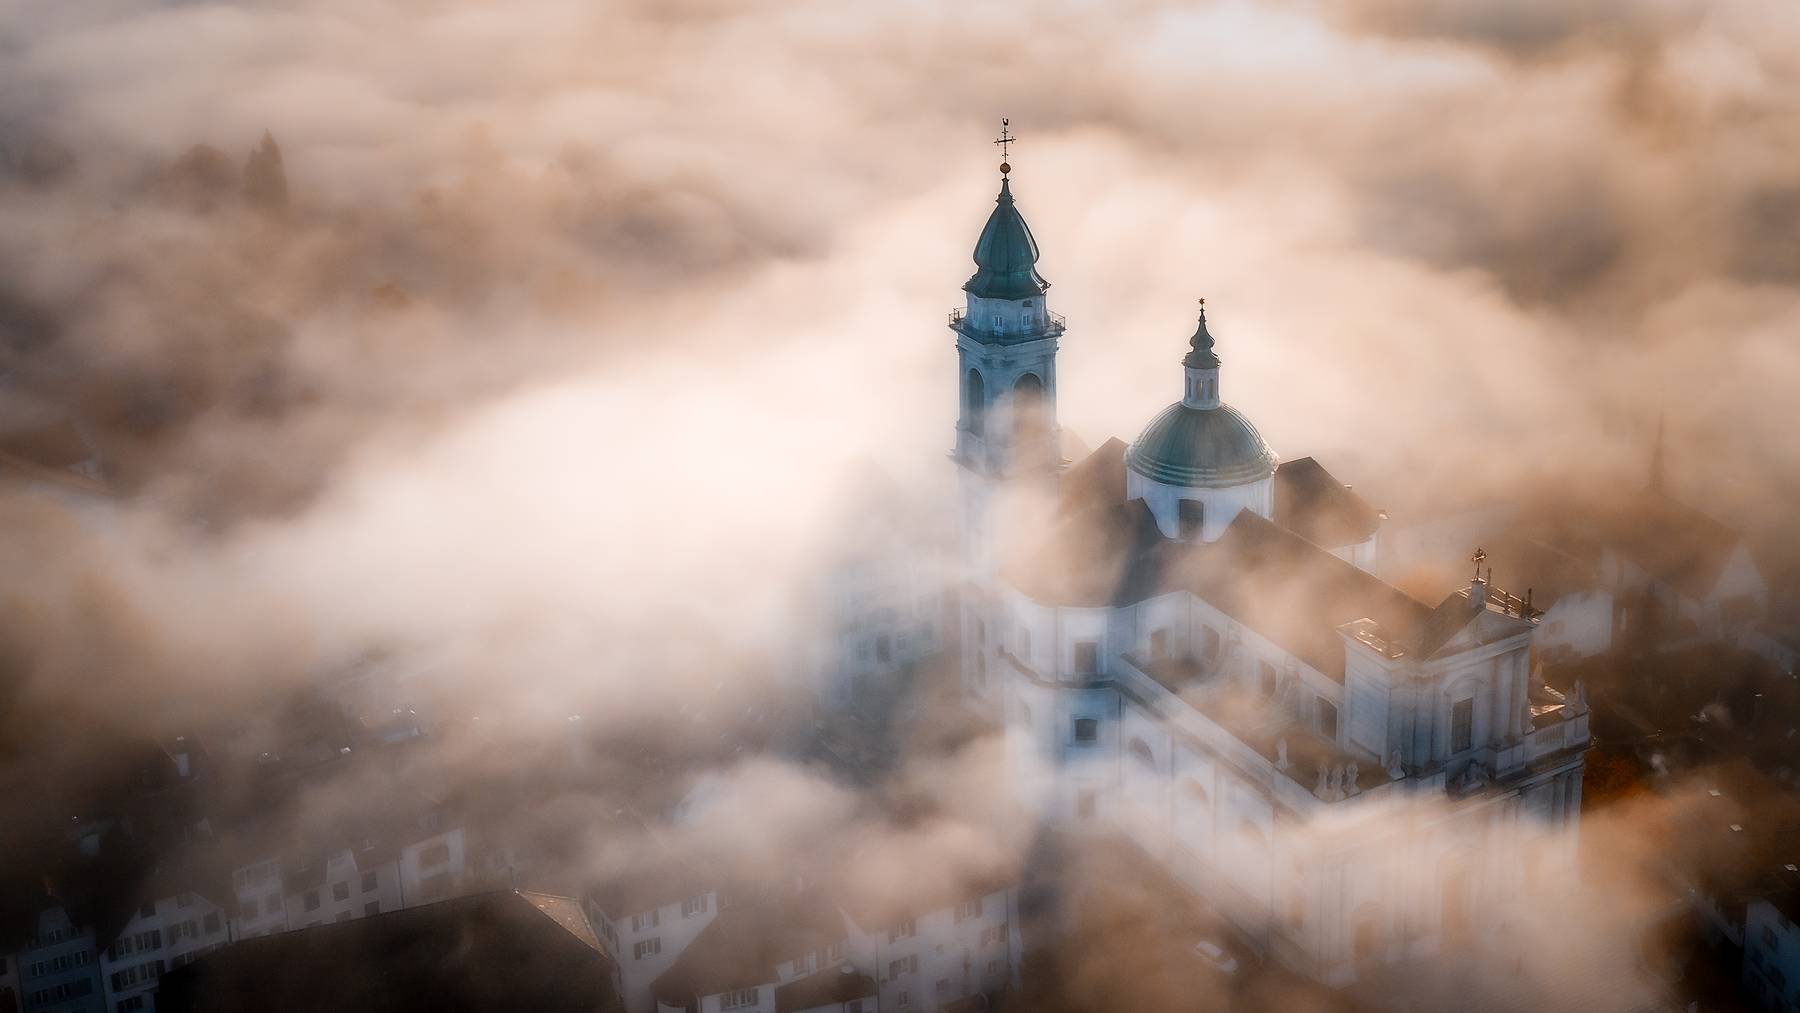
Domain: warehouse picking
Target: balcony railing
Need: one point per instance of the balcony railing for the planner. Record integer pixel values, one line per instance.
(1048, 326)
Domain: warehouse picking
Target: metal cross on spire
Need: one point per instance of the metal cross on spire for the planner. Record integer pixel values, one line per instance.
(1003, 141)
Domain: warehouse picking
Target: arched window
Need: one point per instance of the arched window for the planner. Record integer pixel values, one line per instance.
(1266, 672)
(975, 402)
(1028, 410)
(1195, 791)
(1140, 751)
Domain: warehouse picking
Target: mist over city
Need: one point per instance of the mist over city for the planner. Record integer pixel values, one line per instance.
(697, 505)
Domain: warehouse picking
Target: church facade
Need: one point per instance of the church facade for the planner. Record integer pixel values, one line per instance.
(1196, 652)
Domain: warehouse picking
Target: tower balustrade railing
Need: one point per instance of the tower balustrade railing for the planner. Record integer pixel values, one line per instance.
(1052, 325)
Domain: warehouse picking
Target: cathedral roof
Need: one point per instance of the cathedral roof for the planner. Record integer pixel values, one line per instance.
(1211, 448)
(1098, 479)
(1292, 592)
(1006, 255)
(1273, 581)
(1312, 503)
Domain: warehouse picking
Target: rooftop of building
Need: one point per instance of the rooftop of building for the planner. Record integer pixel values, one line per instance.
(1273, 581)
(826, 987)
(744, 946)
(501, 950)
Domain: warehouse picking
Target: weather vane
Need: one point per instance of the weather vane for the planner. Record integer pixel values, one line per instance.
(1006, 138)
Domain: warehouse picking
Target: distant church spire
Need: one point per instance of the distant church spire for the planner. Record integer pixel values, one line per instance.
(1656, 457)
(1201, 368)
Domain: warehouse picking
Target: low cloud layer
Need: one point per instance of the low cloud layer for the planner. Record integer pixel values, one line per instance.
(535, 346)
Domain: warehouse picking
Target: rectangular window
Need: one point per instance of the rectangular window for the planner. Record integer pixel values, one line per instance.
(943, 988)
(1087, 657)
(647, 920)
(437, 854)
(340, 891)
(993, 935)
(1327, 719)
(968, 909)
(905, 965)
(646, 948)
(693, 906)
(1190, 518)
(1462, 725)
(311, 901)
(738, 999)
(372, 908)
(904, 999)
(901, 930)
(368, 881)
(1087, 729)
(1159, 643)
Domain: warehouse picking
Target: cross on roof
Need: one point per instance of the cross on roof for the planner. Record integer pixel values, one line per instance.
(1003, 141)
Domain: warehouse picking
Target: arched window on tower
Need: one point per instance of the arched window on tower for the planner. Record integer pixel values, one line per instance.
(1029, 424)
(975, 402)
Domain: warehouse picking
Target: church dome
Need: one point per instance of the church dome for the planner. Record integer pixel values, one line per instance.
(1211, 448)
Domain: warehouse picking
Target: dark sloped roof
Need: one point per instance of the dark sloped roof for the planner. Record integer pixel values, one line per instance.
(489, 951)
(1290, 590)
(824, 988)
(1096, 480)
(743, 946)
(1313, 504)
(1272, 580)
(1097, 557)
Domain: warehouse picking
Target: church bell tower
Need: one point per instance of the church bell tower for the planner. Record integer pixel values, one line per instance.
(1006, 431)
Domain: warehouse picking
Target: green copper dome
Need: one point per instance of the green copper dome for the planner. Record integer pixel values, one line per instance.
(1211, 448)
(1006, 255)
